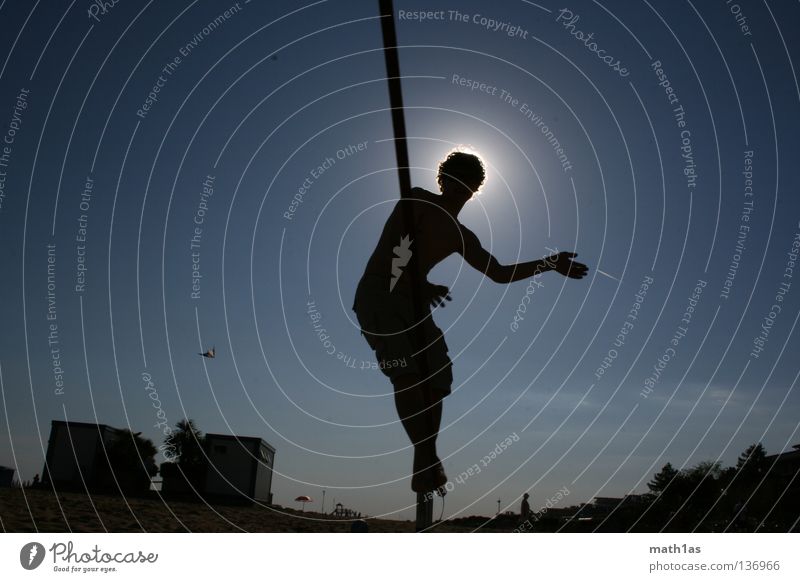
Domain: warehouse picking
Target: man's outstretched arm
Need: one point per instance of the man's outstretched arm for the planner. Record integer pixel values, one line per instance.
(480, 259)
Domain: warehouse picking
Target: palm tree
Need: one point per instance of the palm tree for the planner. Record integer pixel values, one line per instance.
(184, 445)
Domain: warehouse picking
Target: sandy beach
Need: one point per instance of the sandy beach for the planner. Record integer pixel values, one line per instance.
(41, 510)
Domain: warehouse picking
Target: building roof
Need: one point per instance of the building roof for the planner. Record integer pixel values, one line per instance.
(76, 424)
(786, 455)
(629, 497)
(245, 439)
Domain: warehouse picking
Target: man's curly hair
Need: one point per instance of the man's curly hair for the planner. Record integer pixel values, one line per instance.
(463, 167)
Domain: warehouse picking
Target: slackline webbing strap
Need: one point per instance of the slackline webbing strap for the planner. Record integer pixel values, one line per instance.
(424, 500)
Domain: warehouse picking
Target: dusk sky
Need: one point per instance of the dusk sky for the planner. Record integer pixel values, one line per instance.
(202, 174)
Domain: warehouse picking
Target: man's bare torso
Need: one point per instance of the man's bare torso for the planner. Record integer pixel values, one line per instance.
(436, 235)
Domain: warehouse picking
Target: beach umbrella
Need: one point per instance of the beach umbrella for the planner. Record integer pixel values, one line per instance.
(304, 499)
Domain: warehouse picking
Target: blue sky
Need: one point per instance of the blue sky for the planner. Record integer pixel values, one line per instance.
(262, 99)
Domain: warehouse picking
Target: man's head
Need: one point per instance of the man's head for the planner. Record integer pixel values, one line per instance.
(461, 172)
(526, 496)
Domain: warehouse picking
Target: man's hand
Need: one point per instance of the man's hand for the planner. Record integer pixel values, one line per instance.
(562, 263)
(435, 295)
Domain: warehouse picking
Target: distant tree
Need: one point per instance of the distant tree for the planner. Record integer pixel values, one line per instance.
(184, 448)
(704, 492)
(683, 496)
(752, 489)
(753, 459)
(663, 478)
(704, 469)
(132, 460)
(184, 445)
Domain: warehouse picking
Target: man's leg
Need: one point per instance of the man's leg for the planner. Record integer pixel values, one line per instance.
(421, 422)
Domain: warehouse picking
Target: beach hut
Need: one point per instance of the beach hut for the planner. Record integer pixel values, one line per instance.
(6, 476)
(239, 468)
(76, 455)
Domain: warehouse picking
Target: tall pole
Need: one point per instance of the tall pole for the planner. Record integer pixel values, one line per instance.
(323, 502)
(424, 500)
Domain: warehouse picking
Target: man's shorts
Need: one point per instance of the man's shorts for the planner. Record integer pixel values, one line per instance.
(387, 323)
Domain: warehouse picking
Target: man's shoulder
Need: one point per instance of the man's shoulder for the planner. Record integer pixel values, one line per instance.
(422, 194)
(423, 200)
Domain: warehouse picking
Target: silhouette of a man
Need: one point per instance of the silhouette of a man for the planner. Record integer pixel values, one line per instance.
(525, 508)
(385, 311)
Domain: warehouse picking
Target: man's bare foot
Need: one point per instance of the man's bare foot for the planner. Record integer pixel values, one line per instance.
(428, 475)
(439, 478)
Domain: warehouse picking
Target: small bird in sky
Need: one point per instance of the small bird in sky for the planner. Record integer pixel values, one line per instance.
(212, 353)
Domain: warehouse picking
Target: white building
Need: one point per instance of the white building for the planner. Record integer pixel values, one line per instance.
(239, 467)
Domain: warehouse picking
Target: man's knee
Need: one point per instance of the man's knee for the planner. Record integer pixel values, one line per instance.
(409, 381)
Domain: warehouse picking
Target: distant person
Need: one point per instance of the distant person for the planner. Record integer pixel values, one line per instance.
(525, 508)
(36, 479)
(385, 311)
